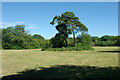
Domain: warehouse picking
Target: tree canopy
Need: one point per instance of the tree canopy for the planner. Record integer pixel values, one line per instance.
(73, 25)
(18, 38)
(37, 36)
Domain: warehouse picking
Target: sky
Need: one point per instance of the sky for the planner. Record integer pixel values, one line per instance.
(101, 18)
(60, 0)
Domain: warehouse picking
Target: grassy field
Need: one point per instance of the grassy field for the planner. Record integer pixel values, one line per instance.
(101, 58)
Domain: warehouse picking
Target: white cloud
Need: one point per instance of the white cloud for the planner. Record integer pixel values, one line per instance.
(32, 27)
(12, 24)
(9, 24)
(6, 24)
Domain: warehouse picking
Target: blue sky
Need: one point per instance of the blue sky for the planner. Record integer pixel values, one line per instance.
(101, 18)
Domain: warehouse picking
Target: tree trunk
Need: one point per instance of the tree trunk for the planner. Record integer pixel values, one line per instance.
(74, 38)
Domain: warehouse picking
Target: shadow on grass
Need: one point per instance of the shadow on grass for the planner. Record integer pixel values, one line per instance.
(68, 72)
(111, 51)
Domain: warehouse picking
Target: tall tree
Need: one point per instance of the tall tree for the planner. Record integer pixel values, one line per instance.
(60, 39)
(72, 22)
(61, 28)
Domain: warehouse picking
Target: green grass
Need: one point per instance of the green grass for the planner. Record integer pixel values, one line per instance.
(14, 61)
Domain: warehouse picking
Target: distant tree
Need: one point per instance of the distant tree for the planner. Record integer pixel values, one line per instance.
(37, 36)
(85, 39)
(118, 41)
(72, 22)
(95, 40)
(15, 37)
(105, 38)
(18, 38)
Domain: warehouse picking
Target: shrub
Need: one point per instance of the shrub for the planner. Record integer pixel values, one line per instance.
(78, 47)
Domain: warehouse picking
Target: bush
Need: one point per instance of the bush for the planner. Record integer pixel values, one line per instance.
(85, 44)
(78, 47)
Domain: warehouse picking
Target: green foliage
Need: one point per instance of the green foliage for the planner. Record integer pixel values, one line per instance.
(70, 42)
(118, 41)
(108, 38)
(17, 38)
(37, 36)
(106, 41)
(73, 25)
(78, 47)
(84, 43)
(85, 47)
(85, 40)
(58, 41)
(95, 40)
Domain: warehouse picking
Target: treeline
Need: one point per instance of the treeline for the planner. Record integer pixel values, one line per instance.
(66, 24)
(18, 38)
(106, 40)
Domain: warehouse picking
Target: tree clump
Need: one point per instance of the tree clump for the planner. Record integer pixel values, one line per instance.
(18, 38)
(68, 24)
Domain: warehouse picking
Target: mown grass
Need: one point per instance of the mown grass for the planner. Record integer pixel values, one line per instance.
(14, 61)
